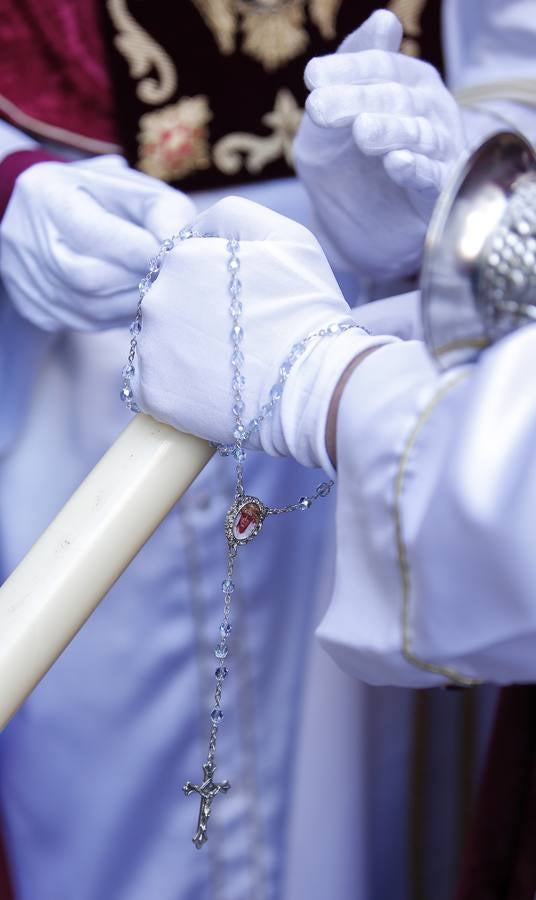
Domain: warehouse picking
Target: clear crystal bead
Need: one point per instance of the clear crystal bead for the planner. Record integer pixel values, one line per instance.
(237, 334)
(284, 372)
(333, 328)
(239, 454)
(144, 285)
(135, 328)
(167, 245)
(133, 406)
(221, 650)
(225, 629)
(221, 672)
(155, 264)
(126, 394)
(297, 349)
(234, 264)
(266, 410)
(323, 489)
(233, 246)
(238, 408)
(254, 424)
(235, 288)
(237, 359)
(239, 432)
(305, 502)
(128, 371)
(238, 381)
(185, 234)
(236, 309)
(227, 586)
(275, 392)
(223, 450)
(216, 715)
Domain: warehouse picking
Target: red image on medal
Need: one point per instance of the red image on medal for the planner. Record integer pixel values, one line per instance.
(244, 520)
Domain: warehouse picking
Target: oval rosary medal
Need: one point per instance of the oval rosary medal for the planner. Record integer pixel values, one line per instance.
(244, 520)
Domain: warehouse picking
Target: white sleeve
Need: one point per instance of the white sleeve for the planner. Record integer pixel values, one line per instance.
(489, 58)
(436, 499)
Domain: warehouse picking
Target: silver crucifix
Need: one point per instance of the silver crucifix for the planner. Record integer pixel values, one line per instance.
(207, 791)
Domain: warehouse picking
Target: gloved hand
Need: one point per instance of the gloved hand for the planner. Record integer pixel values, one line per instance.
(183, 369)
(381, 135)
(76, 238)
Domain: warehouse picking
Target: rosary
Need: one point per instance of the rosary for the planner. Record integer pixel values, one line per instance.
(247, 513)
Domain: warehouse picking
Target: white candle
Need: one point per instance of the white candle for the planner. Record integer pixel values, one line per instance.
(91, 541)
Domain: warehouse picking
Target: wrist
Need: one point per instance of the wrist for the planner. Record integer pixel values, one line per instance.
(298, 427)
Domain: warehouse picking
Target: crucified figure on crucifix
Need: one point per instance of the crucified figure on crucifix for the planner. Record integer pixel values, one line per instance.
(207, 791)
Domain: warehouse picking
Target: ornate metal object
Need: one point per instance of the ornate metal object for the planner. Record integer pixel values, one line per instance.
(479, 270)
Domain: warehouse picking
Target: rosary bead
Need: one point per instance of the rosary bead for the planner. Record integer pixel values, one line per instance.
(323, 489)
(238, 408)
(239, 432)
(238, 381)
(216, 715)
(239, 454)
(227, 586)
(126, 394)
(237, 334)
(221, 672)
(334, 328)
(235, 288)
(233, 264)
(225, 629)
(235, 309)
(133, 406)
(167, 245)
(185, 234)
(233, 246)
(237, 359)
(254, 424)
(275, 392)
(135, 328)
(128, 371)
(144, 285)
(266, 410)
(305, 502)
(221, 650)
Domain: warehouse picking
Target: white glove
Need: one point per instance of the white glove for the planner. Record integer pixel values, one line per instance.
(184, 367)
(380, 137)
(76, 238)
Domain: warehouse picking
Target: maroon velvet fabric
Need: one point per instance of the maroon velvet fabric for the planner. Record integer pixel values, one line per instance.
(500, 859)
(6, 892)
(12, 166)
(53, 68)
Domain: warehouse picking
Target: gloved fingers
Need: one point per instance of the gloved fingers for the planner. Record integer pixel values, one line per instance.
(369, 67)
(376, 134)
(91, 277)
(382, 30)
(415, 171)
(92, 230)
(337, 106)
(244, 220)
(167, 211)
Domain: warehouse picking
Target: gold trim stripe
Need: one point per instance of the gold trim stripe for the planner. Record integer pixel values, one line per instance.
(403, 564)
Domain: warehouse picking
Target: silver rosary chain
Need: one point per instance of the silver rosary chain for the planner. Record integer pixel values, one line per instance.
(242, 432)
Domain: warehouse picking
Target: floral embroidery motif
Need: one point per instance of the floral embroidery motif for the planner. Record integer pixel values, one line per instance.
(173, 141)
(274, 30)
(409, 12)
(142, 53)
(241, 150)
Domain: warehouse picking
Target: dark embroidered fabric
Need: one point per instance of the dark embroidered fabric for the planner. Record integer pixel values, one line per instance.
(500, 858)
(239, 92)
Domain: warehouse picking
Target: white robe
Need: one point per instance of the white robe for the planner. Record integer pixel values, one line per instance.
(92, 765)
